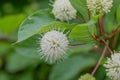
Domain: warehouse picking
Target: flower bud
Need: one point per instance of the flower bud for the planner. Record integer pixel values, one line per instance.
(87, 77)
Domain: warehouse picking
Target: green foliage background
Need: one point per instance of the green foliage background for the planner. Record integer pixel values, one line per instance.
(21, 61)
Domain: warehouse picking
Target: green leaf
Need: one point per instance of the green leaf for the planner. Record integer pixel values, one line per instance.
(10, 23)
(68, 69)
(57, 26)
(1, 63)
(118, 14)
(28, 75)
(100, 73)
(81, 6)
(84, 33)
(4, 48)
(81, 48)
(42, 72)
(4, 76)
(29, 48)
(33, 24)
(17, 62)
(107, 78)
(110, 20)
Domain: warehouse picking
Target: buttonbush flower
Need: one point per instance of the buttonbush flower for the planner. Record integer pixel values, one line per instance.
(54, 45)
(87, 77)
(63, 10)
(112, 66)
(99, 6)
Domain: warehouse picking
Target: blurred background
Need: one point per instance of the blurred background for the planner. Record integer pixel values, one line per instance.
(14, 66)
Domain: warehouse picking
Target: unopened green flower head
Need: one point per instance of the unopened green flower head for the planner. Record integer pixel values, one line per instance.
(99, 6)
(112, 66)
(63, 10)
(87, 77)
(53, 46)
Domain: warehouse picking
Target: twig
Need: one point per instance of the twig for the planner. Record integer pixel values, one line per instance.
(115, 32)
(88, 14)
(99, 61)
(102, 32)
(110, 51)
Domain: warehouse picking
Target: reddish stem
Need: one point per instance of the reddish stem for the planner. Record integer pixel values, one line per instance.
(102, 32)
(99, 61)
(115, 32)
(88, 14)
(108, 48)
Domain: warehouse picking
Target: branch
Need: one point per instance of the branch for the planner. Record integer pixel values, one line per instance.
(88, 14)
(106, 44)
(102, 32)
(115, 32)
(99, 61)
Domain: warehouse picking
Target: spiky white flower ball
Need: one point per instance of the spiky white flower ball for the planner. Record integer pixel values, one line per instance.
(63, 10)
(113, 66)
(54, 45)
(99, 6)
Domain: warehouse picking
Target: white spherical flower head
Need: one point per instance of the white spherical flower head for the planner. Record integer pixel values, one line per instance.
(53, 46)
(63, 10)
(113, 66)
(99, 6)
